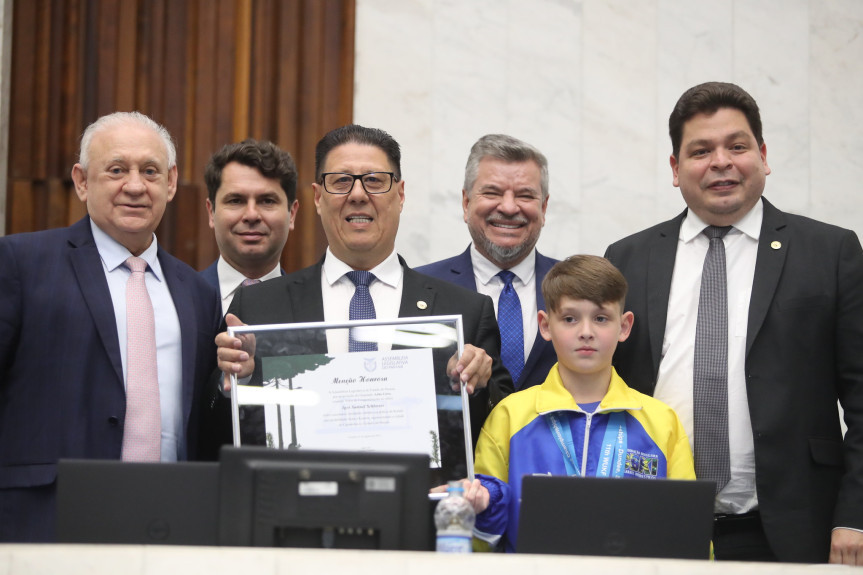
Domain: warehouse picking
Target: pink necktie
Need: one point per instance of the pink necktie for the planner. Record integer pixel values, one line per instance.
(142, 431)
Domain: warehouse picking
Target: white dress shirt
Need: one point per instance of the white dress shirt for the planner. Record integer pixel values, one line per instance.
(674, 383)
(337, 290)
(487, 283)
(230, 281)
(169, 358)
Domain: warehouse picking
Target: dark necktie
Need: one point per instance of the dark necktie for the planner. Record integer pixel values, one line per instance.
(362, 307)
(142, 427)
(710, 369)
(509, 321)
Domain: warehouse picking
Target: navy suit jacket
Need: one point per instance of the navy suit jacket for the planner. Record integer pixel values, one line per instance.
(211, 275)
(62, 393)
(459, 270)
(804, 350)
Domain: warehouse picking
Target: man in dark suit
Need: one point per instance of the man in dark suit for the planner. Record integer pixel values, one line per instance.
(794, 340)
(359, 195)
(504, 199)
(65, 360)
(252, 205)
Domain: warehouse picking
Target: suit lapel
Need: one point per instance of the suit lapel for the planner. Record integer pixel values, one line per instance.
(418, 296)
(532, 358)
(461, 271)
(773, 245)
(543, 264)
(182, 296)
(211, 276)
(304, 293)
(660, 268)
(90, 275)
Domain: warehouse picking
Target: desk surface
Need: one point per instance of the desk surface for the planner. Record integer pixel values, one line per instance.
(157, 560)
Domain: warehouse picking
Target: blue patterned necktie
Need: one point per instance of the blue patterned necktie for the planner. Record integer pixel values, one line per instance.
(511, 326)
(362, 307)
(710, 367)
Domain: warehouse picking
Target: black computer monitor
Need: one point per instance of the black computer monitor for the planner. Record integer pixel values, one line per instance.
(330, 499)
(119, 502)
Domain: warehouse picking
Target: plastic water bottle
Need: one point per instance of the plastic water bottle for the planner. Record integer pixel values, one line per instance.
(454, 518)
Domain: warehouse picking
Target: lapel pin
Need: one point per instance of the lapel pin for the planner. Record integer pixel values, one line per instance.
(422, 305)
(775, 245)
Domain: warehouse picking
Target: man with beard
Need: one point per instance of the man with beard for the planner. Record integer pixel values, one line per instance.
(504, 199)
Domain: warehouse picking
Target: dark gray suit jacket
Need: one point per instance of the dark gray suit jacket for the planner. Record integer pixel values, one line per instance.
(804, 350)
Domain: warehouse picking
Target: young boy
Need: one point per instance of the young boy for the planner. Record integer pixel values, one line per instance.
(583, 420)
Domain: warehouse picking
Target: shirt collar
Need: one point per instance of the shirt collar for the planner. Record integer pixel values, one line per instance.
(485, 269)
(388, 271)
(230, 279)
(749, 224)
(114, 254)
(553, 396)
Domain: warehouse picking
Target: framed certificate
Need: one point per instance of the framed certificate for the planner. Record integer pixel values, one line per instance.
(309, 392)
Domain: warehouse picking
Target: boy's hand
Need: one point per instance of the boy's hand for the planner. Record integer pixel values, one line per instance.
(476, 494)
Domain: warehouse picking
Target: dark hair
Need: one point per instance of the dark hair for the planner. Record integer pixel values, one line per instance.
(707, 98)
(590, 278)
(353, 133)
(266, 157)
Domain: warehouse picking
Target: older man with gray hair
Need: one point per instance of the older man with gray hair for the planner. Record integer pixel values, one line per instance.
(106, 340)
(504, 199)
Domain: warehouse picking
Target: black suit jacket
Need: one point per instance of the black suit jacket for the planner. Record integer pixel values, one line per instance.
(297, 297)
(459, 270)
(804, 350)
(62, 393)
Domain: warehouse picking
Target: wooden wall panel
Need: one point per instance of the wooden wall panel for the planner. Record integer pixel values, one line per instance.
(211, 71)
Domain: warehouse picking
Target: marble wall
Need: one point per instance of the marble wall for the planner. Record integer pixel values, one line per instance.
(591, 83)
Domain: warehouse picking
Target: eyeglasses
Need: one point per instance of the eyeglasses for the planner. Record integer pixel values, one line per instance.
(373, 182)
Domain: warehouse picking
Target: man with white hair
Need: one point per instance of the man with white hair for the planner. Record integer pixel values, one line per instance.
(106, 341)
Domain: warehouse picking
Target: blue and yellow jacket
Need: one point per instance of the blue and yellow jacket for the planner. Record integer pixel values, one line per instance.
(517, 440)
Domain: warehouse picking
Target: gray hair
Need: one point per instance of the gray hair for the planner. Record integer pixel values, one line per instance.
(121, 118)
(507, 149)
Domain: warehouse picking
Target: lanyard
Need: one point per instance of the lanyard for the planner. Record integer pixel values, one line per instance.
(612, 455)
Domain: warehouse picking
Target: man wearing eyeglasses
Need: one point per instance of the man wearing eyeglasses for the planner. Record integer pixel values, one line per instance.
(359, 194)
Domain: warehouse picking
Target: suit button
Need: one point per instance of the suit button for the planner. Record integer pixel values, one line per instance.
(113, 421)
